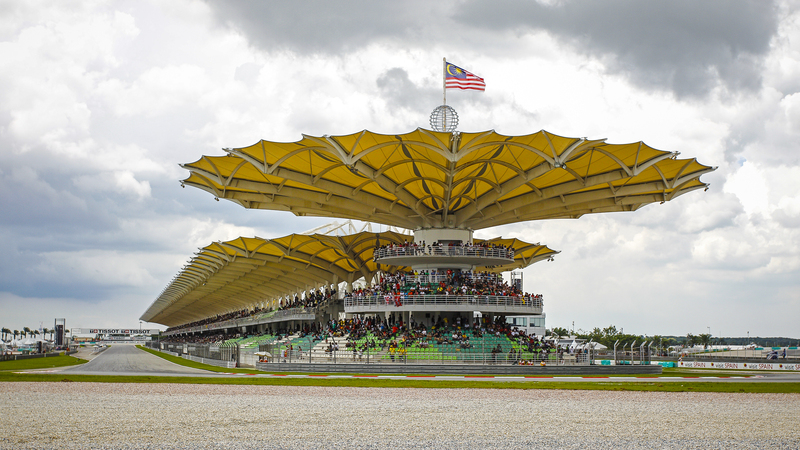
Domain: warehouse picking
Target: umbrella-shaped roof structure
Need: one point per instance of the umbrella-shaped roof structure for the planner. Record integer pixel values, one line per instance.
(429, 179)
(233, 275)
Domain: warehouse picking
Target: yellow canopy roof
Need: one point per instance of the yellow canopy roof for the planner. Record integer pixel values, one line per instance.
(245, 272)
(427, 179)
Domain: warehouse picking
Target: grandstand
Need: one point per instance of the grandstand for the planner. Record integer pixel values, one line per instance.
(434, 293)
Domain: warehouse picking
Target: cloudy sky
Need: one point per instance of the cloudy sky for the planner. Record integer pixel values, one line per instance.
(101, 100)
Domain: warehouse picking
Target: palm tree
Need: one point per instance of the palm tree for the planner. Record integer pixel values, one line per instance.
(558, 331)
(705, 340)
(16, 332)
(26, 330)
(6, 332)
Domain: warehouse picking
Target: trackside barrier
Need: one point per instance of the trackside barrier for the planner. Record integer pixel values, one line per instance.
(771, 365)
(21, 357)
(428, 357)
(211, 362)
(608, 362)
(463, 369)
(98, 350)
(792, 366)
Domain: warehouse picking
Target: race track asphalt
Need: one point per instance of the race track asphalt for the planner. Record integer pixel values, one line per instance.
(127, 360)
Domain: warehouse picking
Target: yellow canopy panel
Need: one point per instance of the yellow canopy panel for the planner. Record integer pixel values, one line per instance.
(427, 179)
(247, 272)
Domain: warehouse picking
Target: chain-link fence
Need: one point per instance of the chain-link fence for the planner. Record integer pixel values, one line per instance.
(342, 351)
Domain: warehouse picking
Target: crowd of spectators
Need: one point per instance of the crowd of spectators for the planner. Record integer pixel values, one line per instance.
(437, 248)
(440, 282)
(310, 299)
(220, 318)
(393, 335)
(204, 338)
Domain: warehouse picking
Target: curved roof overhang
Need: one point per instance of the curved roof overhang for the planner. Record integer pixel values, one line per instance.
(426, 179)
(242, 273)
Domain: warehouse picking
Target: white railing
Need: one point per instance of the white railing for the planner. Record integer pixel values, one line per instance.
(496, 301)
(435, 278)
(445, 251)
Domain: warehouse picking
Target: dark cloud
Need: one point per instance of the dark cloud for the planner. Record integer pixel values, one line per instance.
(322, 26)
(686, 47)
(400, 92)
(683, 46)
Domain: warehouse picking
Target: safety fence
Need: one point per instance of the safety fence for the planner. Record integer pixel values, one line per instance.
(477, 353)
(412, 356)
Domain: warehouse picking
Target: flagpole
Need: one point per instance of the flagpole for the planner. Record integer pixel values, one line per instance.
(444, 81)
(444, 91)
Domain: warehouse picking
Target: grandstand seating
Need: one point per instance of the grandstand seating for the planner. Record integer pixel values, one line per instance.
(424, 350)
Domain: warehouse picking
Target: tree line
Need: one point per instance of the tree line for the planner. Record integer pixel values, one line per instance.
(609, 335)
(27, 332)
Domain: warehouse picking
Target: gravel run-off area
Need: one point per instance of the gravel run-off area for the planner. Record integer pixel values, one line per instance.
(132, 416)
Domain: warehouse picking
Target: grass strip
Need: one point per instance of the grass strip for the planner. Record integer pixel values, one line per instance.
(40, 363)
(737, 387)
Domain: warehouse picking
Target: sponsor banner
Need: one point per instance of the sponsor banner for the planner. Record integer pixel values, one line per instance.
(127, 338)
(771, 365)
(608, 362)
(113, 331)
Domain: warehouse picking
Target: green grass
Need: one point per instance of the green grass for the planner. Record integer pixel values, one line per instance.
(40, 363)
(742, 387)
(680, 372)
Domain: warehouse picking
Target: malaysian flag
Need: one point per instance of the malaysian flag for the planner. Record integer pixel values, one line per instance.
(458, 78)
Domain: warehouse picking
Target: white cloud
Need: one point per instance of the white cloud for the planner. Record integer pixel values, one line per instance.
(104, 268)
(791, 107)
(158, 91)
(750, 186)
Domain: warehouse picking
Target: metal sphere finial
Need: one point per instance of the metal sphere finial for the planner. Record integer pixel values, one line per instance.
(444, 118)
